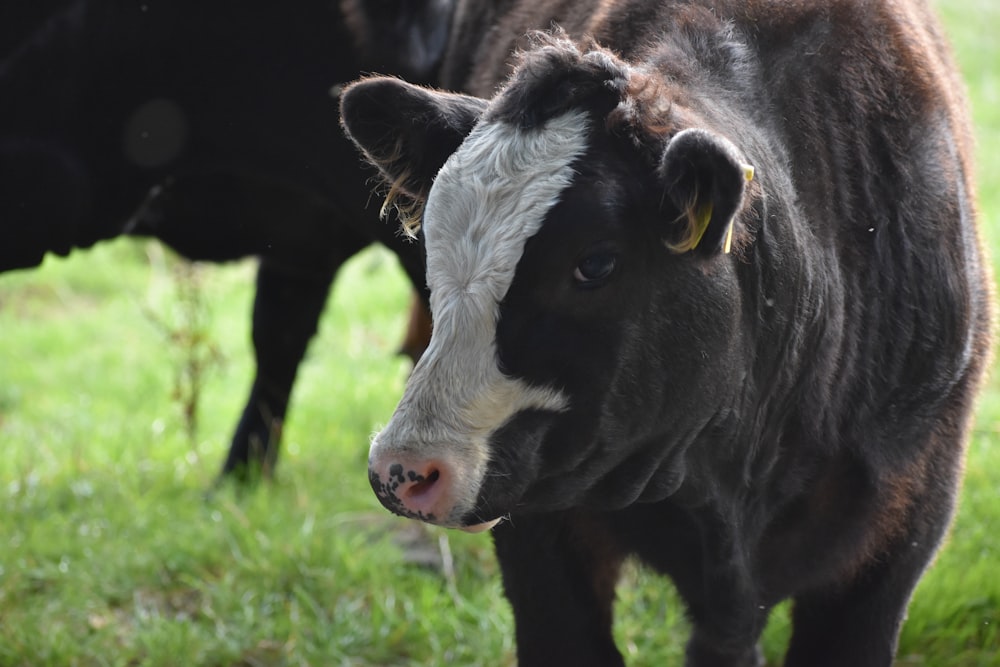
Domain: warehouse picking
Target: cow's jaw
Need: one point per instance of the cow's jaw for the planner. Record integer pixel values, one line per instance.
(489, 198)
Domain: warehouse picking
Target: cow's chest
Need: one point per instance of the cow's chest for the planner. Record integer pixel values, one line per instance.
(753, 553)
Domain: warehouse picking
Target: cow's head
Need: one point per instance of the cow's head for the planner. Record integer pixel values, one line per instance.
(578, 231)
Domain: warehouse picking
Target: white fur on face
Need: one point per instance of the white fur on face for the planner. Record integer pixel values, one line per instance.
(489, 198)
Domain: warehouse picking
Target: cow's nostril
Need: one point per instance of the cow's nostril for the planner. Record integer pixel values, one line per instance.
(423, 486)
(420, 489)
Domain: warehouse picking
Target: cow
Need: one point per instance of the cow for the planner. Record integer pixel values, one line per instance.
(707, 291)
(204, 125)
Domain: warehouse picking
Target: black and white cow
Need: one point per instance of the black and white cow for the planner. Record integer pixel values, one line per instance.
(707, 290)
(223, 109)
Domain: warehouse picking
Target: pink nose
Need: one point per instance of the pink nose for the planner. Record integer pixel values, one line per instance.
(413, 488)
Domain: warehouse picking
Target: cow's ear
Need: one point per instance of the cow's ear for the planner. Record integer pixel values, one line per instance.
(705, 179)
(406, 131)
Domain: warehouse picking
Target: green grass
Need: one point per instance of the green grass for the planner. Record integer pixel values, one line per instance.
(113, 553)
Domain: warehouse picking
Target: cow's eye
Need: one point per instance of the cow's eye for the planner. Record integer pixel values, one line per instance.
(594, 269)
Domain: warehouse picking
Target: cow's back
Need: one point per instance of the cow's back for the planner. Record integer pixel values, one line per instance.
(867, 104)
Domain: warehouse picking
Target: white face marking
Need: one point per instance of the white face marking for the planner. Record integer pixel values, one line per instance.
(489, 198)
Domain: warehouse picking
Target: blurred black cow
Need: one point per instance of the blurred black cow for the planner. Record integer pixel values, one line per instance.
(212, 126)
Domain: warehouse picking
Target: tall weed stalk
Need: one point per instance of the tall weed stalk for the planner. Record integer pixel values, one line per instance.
(183, 318)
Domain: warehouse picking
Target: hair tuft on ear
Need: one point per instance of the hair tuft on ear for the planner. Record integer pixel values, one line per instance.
(409, 209)
(407, 132)
(696, 218)
(704, 177)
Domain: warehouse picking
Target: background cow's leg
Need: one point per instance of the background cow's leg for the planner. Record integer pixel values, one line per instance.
(559, 573)
(703, 652)
(726, 620)
(726, 615)
(286, 313)
(418, 329)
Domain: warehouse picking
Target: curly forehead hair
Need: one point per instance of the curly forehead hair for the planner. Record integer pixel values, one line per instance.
(554, 74)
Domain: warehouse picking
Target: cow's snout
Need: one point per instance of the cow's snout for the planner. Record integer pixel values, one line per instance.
(424, 489)
(412, 488)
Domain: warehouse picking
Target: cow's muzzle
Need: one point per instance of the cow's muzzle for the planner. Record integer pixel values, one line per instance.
(423, 489)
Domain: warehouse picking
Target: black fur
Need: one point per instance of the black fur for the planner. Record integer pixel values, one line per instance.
(229, 110)
(784, 421)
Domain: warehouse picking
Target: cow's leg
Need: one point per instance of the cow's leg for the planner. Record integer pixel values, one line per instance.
(856, 621)
(418, 329)
(706, 649)
(559, 573)
(286, 314)
(726, 618)
(856, 625)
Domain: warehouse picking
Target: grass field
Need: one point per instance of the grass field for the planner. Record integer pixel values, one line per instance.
(113, 553)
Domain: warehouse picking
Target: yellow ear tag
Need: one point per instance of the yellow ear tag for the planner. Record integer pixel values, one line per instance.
(701, 220)
(729, 238)
(704, 216)
(748, 173)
